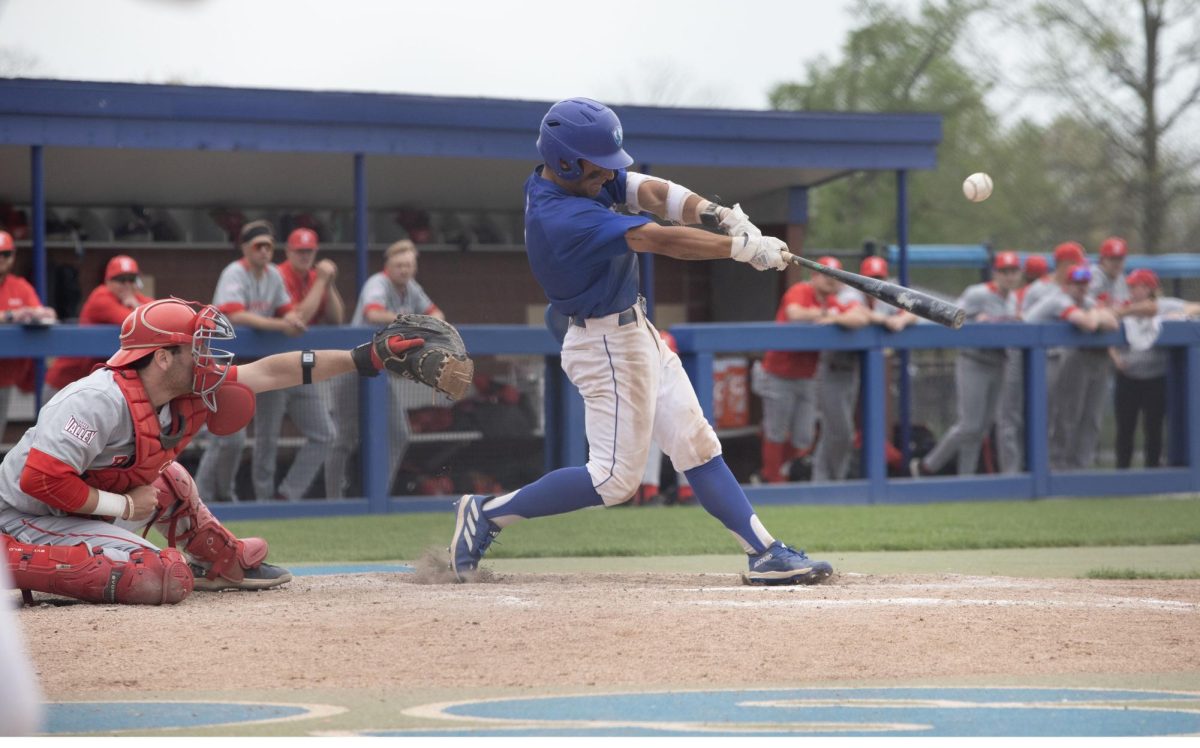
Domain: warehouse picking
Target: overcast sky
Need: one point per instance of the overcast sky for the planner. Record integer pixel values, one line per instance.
(682, 52)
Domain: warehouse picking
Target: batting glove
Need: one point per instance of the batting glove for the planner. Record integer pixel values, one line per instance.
(735, 222)
(761, 252)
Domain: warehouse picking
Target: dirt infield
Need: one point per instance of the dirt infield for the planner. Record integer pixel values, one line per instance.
(546, 632)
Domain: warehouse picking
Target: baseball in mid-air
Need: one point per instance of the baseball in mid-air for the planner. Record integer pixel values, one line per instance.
(977, 187)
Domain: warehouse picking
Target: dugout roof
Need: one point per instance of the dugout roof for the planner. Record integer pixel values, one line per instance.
(120, 143)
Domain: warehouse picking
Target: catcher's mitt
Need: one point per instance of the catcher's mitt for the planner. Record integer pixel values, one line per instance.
(441, 362)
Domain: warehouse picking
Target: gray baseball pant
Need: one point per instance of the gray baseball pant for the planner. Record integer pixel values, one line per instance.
(309, 412)
(837, 398)
(1010, 414)
(216, 475)
(1079, 387)
(346, 436)
(977, 383)
(789, 407)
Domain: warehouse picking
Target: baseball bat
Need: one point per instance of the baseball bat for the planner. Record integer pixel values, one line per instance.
(920, 304)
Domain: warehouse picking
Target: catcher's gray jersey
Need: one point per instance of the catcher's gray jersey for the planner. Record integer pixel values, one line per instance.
(239, 291)
(86, 425)
(379, 292)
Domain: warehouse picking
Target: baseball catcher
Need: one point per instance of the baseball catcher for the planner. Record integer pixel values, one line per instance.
(83, 486)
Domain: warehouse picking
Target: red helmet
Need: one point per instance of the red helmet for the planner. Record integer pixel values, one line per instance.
(669, 339)
(873, 267)
(1142, 277)
(170, 322)
(1005, 260)
(1114, 246)
(1036, 266)
(6, 242)
(830, 261)
(1069, 253)
(302, 239)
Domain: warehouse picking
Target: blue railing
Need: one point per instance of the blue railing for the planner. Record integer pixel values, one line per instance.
(698, 344)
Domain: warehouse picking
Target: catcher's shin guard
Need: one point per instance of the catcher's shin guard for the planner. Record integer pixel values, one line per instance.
(188, 524)
(149, 577)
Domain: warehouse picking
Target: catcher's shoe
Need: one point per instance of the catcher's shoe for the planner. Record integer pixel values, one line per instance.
(473, 533)
(782, 565)
(261, 577)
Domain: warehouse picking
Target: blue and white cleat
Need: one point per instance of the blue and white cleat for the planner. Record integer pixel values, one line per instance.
(782, 565)
(473, 533)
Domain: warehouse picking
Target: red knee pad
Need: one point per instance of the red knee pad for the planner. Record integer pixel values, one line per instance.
(149, 577)
(205, 538)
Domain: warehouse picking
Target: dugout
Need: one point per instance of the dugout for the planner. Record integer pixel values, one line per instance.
(161, 171)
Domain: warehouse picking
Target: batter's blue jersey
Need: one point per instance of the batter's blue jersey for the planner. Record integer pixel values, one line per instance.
(577, 248)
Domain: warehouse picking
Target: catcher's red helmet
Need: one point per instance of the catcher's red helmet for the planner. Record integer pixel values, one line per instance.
(170, 322)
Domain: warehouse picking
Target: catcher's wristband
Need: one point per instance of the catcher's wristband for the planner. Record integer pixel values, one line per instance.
(364, 360)
(308, 360)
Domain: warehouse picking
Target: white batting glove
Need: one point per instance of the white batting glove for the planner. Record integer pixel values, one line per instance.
(735, 222)
(761, 252)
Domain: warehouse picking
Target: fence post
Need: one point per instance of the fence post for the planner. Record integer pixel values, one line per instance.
(1037, 453)
(1192, 391)
(375, 444)
(874, 422)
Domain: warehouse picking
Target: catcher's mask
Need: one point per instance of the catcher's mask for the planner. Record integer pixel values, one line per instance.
(171, 322)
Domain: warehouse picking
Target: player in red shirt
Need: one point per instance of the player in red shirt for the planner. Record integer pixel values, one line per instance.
(108, 304)
(19, 303)
(786, 380)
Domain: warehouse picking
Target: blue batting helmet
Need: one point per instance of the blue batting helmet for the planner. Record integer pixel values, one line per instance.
(577, 129)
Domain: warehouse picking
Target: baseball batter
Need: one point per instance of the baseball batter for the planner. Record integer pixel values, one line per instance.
(1077, 378)
(108, 304)
(584, 255)
(250, 292)
(315, 301)
(978, 372)
(84, 485)
(393, 291)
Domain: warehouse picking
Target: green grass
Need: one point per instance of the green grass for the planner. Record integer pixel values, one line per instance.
(687, 531)
(1106, 573)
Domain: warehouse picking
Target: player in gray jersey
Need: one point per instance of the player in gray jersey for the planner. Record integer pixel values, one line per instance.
(1075, 379)
(98, 470)
(250, 292)
(978, 373)
(393, 291)
(1108, 287)
(1141, 376)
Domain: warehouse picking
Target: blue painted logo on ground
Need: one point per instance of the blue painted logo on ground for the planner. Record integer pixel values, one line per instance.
(850, 712)
(118, 716)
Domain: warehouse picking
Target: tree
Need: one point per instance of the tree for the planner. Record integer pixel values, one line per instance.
(894, 64)
(1132, 72)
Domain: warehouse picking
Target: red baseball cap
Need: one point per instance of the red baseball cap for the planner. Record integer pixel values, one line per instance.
(1005, 260)
(302, 239)
(830, 261)
(1142, 277)
(1114, 246)
(874, 267)
(6, 242)
(1070, 253)
(121, 265)
(1036, 266)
